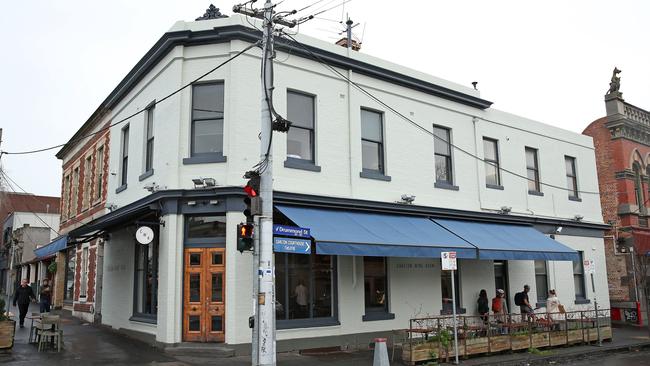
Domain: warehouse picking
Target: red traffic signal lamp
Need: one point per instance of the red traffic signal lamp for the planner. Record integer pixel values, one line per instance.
(245, 237)
(252, 200)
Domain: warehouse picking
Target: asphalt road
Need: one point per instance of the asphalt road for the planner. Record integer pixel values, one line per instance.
(640, 358)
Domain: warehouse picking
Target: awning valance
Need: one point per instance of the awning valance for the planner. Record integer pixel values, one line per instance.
(339, 232)
(56, 245)
(509, 242)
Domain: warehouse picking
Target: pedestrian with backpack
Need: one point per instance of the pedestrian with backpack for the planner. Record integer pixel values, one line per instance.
(521, 300)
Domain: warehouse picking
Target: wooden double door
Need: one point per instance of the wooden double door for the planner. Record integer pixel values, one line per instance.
(204, 295)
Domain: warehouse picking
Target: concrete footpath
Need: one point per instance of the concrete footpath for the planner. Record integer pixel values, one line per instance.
(93, 345)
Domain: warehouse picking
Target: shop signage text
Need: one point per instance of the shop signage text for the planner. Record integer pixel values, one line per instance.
(291, 245)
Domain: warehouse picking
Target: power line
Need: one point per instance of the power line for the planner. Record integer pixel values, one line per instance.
(418, 126)
(136, 113)
(10, 183)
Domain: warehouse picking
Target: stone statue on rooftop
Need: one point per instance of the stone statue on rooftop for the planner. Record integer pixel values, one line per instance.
(212, 13)
(615, 84)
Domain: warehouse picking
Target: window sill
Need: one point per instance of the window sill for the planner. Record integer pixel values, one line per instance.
(144, 319)
(582, 301)
(377, 315)
(448, 186)
(204, 159)
(371, 174)
(494, 186)
(449, 312)
(306, 323)
(576, 199)
(536, 193)
(292, 163)
(145, 175)
(120, 188)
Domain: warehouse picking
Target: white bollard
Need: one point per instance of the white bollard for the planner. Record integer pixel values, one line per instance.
(381, 353)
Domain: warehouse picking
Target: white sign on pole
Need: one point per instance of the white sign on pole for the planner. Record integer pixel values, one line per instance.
(448, 261)
(589, 265)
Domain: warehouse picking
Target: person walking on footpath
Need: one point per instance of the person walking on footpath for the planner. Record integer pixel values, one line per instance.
(499, 306)
(483, 305)
(23, 296)
(45, 296)
(521, 300)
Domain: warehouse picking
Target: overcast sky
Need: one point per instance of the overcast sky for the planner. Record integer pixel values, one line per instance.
(547, 60)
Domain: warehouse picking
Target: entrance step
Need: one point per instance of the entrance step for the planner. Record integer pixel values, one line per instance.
(201, 350)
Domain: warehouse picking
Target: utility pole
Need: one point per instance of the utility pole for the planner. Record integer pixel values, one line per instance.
(264, 340)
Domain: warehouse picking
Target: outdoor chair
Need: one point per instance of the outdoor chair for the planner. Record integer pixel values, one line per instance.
(50, 332)
(34, 326)
(398, 339)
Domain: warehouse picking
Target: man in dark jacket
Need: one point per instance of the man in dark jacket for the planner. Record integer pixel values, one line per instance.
(23, 296)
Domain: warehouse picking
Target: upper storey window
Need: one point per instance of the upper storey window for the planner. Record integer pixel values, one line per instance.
(372, 141)
(207, 119)
(442, 152)
(571, 177)
(300, 138)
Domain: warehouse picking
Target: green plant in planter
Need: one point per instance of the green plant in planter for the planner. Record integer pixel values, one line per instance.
(3, 312)
(52, 267)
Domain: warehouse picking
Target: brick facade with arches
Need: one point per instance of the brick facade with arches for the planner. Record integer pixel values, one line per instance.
(622, 143)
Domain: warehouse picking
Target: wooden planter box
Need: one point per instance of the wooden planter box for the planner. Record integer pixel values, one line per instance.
(7, 329)
(558, 338)
(540, 340)
(477, 345)
(499, 343)
(591, 334)
(520, 341)
(421, 352)
(574, 336)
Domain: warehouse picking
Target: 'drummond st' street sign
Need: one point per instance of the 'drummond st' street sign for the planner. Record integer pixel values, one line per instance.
(294, 231)
(291, 245)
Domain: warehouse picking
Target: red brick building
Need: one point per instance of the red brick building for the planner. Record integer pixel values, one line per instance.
(83, 199)
(622, 143)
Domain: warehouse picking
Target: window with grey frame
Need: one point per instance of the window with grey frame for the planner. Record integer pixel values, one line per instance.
(491, 159)
(207, 119)
(442, 152)
(148, 154)
(375, 285)
(541, 280)
(125, 156)
(571, 176)
(532, 170)
(372, 142)
(305, 290)
(301, 135)
(145, 299)
(579, 277)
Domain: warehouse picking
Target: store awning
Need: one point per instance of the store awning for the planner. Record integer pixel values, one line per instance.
(339, 232)
(53, 247)
(509, 242)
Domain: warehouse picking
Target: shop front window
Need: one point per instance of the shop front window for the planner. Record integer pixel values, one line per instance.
(71, 258)
(305, 294)
(146, 280)
(445, 286)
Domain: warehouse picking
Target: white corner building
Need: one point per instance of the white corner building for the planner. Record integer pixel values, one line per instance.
(515, 198)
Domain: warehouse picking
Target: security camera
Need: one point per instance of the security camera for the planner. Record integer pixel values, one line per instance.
(558, 230)
(151, 187)
(408, 198)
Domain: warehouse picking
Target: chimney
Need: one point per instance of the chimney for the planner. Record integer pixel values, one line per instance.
(343, 42)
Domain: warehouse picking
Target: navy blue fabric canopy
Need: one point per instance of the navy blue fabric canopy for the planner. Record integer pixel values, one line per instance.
(339, 232)
(509, 242)
(53, 247)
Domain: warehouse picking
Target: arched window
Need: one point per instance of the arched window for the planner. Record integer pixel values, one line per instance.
(638, 188)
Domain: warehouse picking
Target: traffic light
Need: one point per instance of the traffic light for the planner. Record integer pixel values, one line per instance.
(252, 200)
(244, 237)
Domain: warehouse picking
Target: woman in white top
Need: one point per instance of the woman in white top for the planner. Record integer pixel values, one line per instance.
(552, 306)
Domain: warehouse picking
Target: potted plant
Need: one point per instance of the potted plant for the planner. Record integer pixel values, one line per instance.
(7, 327)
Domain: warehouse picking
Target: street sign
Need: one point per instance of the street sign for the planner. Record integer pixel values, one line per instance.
(291, 245)
(589, 265)
(448, 261)
(294, 231)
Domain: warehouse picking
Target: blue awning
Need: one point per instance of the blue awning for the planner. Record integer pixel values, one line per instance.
(53, 247)
(509, 242)
(339, 232)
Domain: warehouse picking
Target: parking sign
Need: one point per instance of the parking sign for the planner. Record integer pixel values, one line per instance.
(448, 261)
